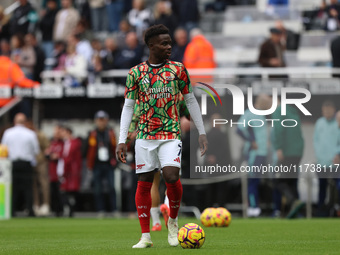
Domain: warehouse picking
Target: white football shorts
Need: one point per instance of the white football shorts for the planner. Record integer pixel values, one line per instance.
(152, 154)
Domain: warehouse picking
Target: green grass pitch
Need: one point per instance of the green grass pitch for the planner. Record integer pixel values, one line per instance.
(116, 236)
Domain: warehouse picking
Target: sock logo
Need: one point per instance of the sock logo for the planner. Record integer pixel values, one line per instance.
(177, 160)
(142, 206)
(143, 215)
(140, 166)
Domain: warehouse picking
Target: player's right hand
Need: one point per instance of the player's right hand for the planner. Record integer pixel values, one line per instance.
(121, 152)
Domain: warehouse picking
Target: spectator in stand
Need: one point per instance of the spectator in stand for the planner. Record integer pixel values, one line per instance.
(83, 8)
(23, 147)
(17, 43)
(99, 19)
(114, 10)
(95, 65)
(199, 54)
(83, 47)
(289, 40)
(44, 6)
(132, 54)
(75, 67)
(163, 15)
(59, 56)
(11, 75)
(333, 12)
(110, 58)
(66, 21)
(181, 42)
(326, 147)
(320, 17)
(83, 30)
(54, 153)
(175, 7)
(39, 66)
(97, 47)
(335, 50)
(101, 147)
(124, 29)
(5, 48)
(189, 14)
(47, 25)
(41, 187)
(69, 170)
(23, 54)
(23, 19)
(4, 25)
(140, 17)
(111, 54)
(272, 52)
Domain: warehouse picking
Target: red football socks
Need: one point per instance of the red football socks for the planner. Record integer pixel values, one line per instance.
(143, 204)
(174, 192)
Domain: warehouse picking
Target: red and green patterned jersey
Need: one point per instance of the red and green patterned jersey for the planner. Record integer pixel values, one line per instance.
(158, 90)
(183, 112)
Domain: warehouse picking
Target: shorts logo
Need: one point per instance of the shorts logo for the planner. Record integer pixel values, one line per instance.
(177, 160)
(140, 166)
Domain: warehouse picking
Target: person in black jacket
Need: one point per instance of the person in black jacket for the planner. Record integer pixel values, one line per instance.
(189, 14)
(23, 19)
(163, 15)
(46, 27)
(181, 42)
(39, 66)
(335, 50)
(4, 25)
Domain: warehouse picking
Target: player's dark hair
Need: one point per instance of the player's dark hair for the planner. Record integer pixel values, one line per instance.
(154, 31)
(328, 103)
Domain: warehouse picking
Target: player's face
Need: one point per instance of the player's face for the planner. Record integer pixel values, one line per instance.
(161, 46)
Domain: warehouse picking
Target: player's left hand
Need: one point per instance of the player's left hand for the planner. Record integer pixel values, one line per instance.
(121, 152)
(203, 141)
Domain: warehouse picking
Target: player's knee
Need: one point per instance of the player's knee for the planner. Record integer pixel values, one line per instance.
(172, 178)
(146, 177)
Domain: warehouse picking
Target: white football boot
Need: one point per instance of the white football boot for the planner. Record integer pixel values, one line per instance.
(143, 243)
(172, 232)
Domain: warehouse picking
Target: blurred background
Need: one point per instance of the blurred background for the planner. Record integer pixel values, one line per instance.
(78, 54)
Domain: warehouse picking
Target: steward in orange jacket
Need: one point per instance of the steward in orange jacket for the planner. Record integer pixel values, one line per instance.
(11, 76)
(199, 54)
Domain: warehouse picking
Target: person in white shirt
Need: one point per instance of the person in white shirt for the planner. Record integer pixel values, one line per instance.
(23, 147)
(83, 47)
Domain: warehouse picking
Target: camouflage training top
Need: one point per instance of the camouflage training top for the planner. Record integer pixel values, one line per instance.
(158, 92)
